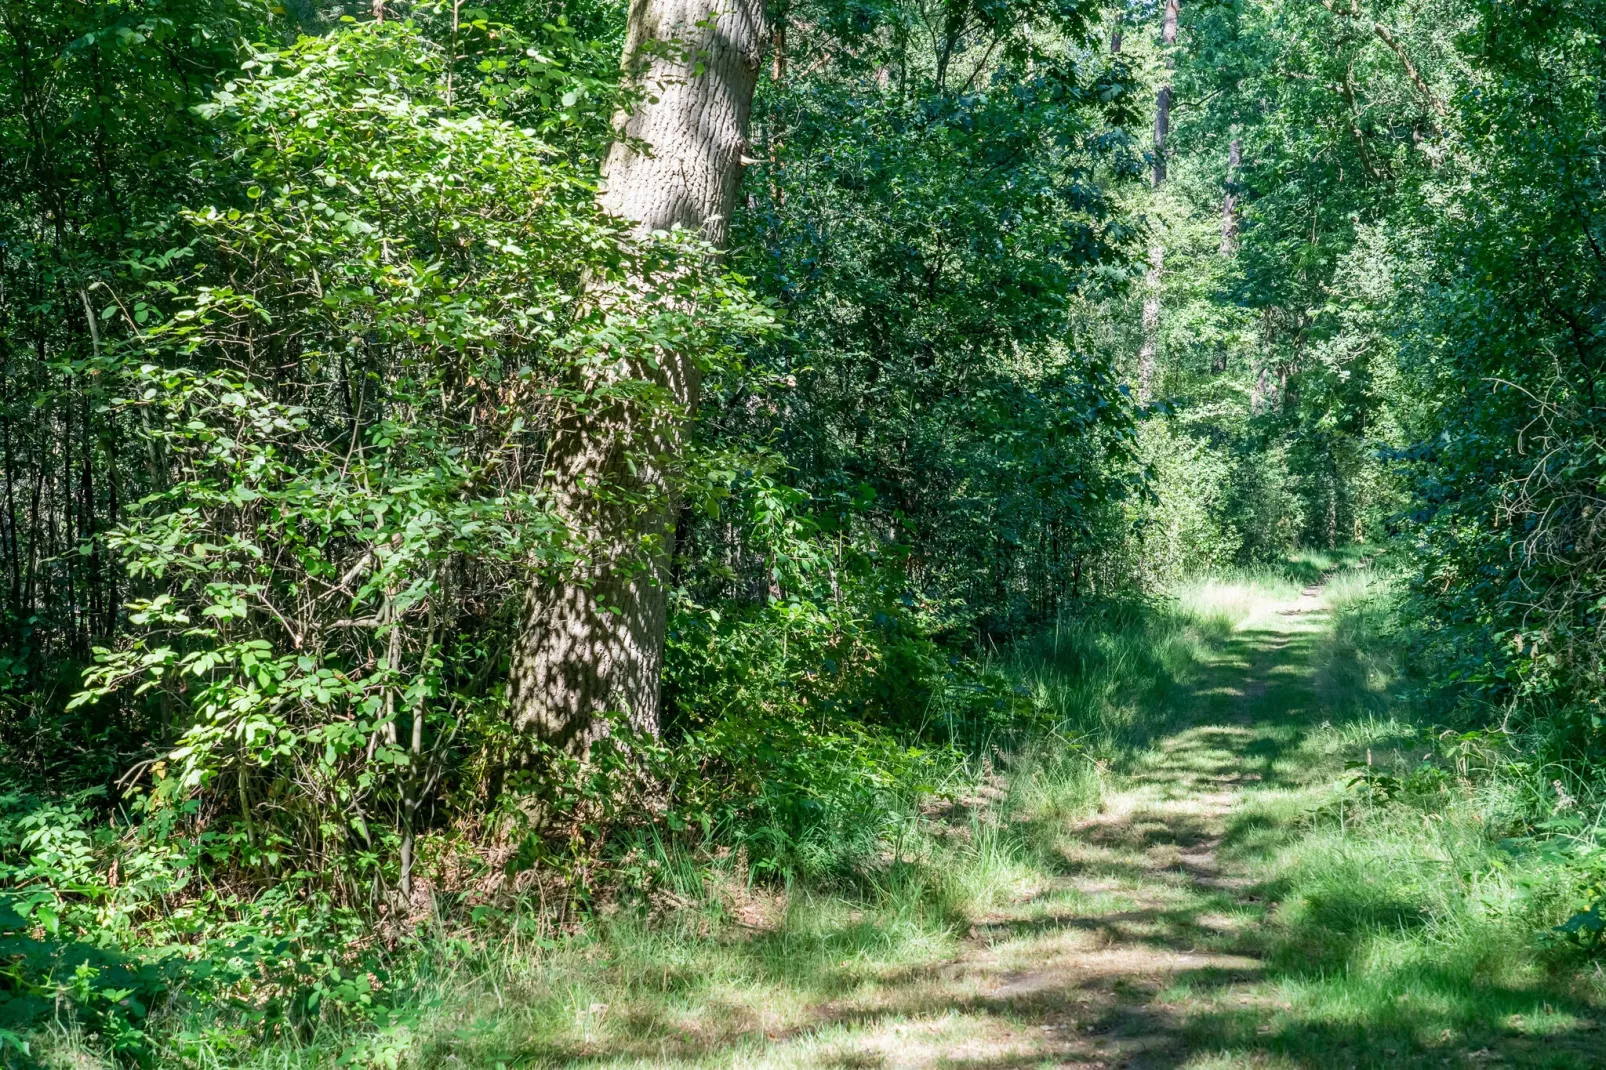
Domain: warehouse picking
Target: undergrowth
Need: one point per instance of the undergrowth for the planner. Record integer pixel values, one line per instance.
(761, 915)
(1410, 861)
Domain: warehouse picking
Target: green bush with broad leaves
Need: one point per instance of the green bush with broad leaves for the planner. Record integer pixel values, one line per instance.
(341, 374)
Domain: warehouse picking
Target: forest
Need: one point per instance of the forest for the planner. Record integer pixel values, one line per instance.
(802, 533)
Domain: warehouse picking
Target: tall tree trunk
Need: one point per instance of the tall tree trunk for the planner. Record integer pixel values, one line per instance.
(1145, 355)
(1229, 200)
(594, 644)
(1162, 109)
(13, 547)
(1152, 279)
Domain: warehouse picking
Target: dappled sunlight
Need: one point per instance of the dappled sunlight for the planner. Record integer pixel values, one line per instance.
(1207, 899)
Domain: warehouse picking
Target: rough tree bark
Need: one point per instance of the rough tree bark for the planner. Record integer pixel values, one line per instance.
(594, 644)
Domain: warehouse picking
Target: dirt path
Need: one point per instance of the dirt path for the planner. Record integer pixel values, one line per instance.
(1150, 924)
(1167, 931)
(1153, 947)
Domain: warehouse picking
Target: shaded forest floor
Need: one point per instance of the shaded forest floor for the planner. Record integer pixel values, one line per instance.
(1215, 891)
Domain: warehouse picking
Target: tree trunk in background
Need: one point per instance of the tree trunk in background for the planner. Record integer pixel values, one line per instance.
(1229, 200)
(1151, 280)
(1229, 226)
(1151, 321)
(1162, 109)
(596, 645)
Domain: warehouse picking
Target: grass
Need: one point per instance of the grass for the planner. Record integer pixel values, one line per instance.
(1184, 874)
(1399, 932)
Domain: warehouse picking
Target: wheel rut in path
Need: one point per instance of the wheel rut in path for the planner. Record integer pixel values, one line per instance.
(1149, 910)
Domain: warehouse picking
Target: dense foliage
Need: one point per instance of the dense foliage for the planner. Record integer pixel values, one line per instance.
(291, 302)
(929, 211)
(287, 328)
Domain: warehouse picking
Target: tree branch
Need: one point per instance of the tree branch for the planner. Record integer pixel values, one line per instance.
(1386, 35)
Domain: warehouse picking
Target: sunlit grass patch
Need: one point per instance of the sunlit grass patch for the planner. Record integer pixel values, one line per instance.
(1313, 565)
(1399, 1006)
(685, 991)
(1237, 1060)
(703, 991)
(1091, 673)
(1227, 599)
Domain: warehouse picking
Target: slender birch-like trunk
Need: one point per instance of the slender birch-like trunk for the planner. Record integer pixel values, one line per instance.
(1229, 199)
(1152, 279)
(1162, 102)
